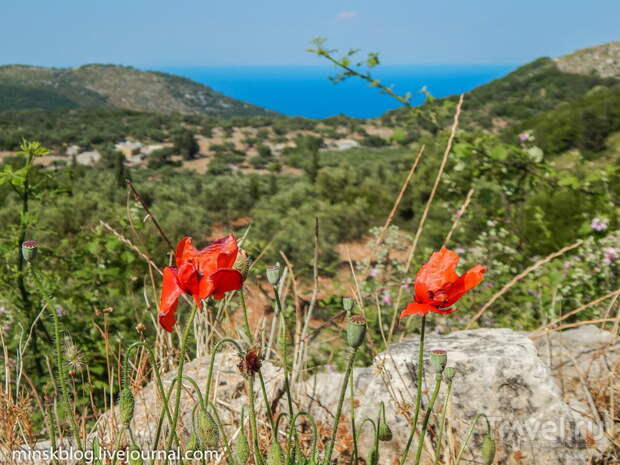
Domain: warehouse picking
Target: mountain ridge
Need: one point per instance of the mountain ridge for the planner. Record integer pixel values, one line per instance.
(124, 87)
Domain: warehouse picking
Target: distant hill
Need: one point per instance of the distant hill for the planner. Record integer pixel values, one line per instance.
(531, 90)
(28, 87)
(601, 60)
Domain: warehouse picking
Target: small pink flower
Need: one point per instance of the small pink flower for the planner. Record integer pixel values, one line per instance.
(386, 298)
(610, 255)
(373, 273)
(599, 224)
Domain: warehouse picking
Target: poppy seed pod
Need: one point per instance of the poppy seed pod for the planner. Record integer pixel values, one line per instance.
(487, 450)
(242, 263)
(127, 404)
(450, 373)
(439, 359)
(356, 331)
(192, 442)
(207, 431)
(275, 456)
(347, 303)
(29, 250)
(242, 448)
(273, 274)
(373, 457)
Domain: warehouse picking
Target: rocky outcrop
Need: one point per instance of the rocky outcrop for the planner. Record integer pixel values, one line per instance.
(602, 60)
(516, 381)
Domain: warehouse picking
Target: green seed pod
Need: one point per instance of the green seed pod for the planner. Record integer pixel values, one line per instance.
(356, 331)
(242, 448)
(487, 450)
(275, 456)
(134, 456)
(207, 431)
(449, 373)
(192, 442)
(373, 457)
(127, 404)
(347, 303)
(384, 433)
(439, 359)
(273, 274)
(29, 250)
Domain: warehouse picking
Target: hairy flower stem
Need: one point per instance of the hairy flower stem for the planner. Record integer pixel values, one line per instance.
(427, 417)
(267, 406)
(353, 431)
(177, 403)
(418, 401)
(469, 433)
(343, 390)
(287, 383)
(246, 321)
(442, 423)
(60, 364)
(254, 430)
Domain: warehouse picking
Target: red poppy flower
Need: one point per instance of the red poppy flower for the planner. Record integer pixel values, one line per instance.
(438, 286)
(201, 273)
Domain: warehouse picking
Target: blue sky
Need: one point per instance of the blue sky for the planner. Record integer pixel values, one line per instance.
(275, 32)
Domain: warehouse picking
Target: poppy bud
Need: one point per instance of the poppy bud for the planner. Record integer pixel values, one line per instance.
(373, 457)
(347, 303)
(207, 431)
(134, 456)
(356, 331)
(29, 250)
(487, 450)
(275, 456)
(192, 442)
(449, 373)
(127, 404)
(273, 274)
(384, 432)
(242, 448)
(439, 358)
(242, 263)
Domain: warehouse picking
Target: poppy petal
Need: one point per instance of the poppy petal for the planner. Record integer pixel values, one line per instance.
(221, 253)
(436, 274)
(417, 309)
(443, 311)
(466, 282)
(225, 281)
(170, 293)
(185, 250)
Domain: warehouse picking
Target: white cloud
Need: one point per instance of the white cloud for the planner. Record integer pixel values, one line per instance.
(346, 15)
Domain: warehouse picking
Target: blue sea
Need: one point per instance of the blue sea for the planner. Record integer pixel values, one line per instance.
(307, 91)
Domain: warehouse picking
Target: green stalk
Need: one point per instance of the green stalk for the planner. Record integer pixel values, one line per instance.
(427, 417)
(353, 432)
(418, 401)
(469, 433)
(442, 423)
(246, 321)
(287, 385)
(343, 390)
(220, 343)
(257, 455)
(177, 403)
(268, 407)
(60, 366)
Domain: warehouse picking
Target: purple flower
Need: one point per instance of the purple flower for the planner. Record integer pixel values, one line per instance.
(386, 298)
(567, 264)
(59, 310)
(459, 250)
(373, 272)
(524, 137)
(599, 224)
(611, 254)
